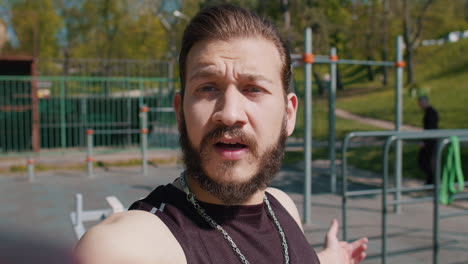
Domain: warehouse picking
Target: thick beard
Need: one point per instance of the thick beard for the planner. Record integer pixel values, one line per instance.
(231, 193)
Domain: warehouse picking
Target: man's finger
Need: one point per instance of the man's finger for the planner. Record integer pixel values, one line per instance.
(359, 248)
(359, 258)
(359, 243)
(358, 251)
(333, 231)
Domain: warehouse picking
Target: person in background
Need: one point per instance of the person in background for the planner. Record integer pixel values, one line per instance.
(426, 158)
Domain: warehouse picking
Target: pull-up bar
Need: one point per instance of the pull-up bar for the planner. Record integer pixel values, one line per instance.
(309, 58)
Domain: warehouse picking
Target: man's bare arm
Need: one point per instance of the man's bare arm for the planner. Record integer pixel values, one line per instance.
(129, 237)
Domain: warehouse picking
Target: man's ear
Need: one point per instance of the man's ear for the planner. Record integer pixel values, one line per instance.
(291, 111)
(178, 105)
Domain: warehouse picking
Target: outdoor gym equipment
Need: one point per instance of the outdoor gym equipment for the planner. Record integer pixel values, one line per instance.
(79, 216)
(309, 58)
(452, 173)
(143, 131)
(392, 136)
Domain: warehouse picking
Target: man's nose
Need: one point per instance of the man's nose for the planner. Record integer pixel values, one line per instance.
(230, 108)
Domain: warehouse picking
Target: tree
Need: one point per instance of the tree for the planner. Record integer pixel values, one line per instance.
(412, 28)
(36, 24)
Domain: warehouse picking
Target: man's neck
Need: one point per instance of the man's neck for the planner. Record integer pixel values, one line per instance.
(207, 197)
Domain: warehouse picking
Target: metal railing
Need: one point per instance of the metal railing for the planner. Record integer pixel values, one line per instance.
(393, 136)
(53, 112)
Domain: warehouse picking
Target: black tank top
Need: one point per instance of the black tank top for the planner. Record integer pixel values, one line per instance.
(249, 226)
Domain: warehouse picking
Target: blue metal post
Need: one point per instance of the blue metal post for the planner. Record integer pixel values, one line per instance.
(63, 129)
(89, 152)
(331, 119)
(398, 121)
(31, 176)
(307, 127)
(435, 237)
(387, 145)
(144, 139)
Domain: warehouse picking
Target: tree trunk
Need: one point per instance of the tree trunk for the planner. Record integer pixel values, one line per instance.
(370, 70)
(408, 44)
(319, 82)
(339, 83)
(385, 42)
(66, 61)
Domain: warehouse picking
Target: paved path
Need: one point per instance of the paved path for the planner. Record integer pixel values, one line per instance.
(35, 224)
(372, 121)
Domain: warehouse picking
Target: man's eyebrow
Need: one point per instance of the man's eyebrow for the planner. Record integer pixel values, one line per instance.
(254, 77)
(204, 72)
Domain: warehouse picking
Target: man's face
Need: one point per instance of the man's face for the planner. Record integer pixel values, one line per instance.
(234, 108)
(422, 103)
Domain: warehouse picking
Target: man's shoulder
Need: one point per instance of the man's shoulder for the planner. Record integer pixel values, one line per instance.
(286, 201)
(133, 237)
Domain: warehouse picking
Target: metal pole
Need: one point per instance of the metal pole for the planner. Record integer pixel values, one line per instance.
(31, 176)
(435, 237)
(79, 209)
(331, 119)
(171, 74)
(398, 121)
(308, 124)
(144, 139)
(142, 94)
(345, 184)
(387, 145)
(62, 115)
(89, 158)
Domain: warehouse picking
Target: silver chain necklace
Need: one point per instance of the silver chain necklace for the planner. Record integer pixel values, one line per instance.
(213, 224)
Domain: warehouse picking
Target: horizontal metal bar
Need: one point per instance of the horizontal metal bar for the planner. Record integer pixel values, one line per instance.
(459, 213)
(392, 190)
(429, 133)
(367, 62)
(363, 193)
(116, 132)
(90, 215)
(460, 196)
(89, 124)
(411, 201)
(161, 109)
(326, 59)
(95, 215)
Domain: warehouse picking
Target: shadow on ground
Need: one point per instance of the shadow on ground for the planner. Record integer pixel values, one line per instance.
(291, 180)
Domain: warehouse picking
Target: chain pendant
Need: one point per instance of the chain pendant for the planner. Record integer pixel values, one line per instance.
(213, 224)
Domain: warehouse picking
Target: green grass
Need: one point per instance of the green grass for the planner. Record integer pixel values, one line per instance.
(97, 164)
(442, 70)
(320, 122)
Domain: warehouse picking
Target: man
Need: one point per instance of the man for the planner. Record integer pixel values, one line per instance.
(234, 111)
(427, 152)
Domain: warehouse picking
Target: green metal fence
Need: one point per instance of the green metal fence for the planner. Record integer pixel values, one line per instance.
(55, 112)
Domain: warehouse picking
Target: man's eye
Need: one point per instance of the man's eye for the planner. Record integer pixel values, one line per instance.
(207, 89)
(253, 89)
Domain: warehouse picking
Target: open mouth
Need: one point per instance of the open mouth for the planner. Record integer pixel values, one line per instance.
(231, 149)
(231, 146)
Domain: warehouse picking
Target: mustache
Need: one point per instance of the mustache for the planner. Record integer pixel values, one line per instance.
(236, 132)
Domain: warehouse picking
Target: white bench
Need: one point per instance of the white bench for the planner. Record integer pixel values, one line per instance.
(79, 216)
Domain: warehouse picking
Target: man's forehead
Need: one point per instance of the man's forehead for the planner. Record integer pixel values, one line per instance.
(249, 55)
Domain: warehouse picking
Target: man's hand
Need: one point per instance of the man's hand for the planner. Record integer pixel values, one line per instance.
(341, 252)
